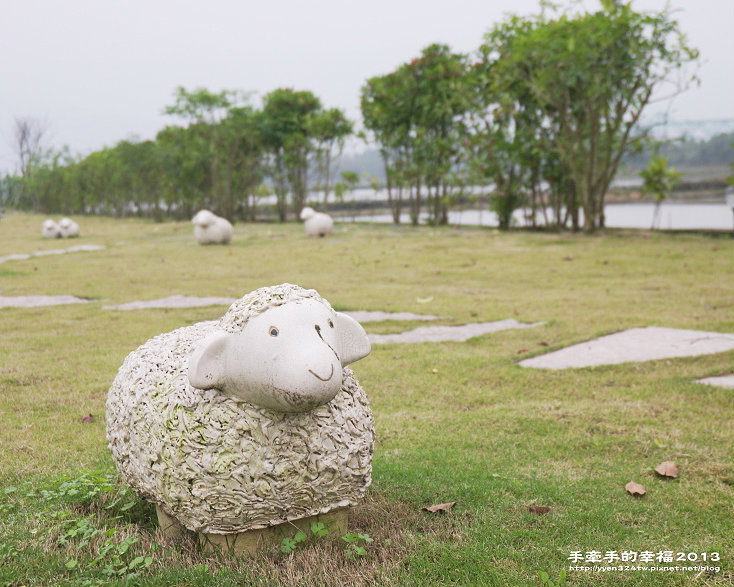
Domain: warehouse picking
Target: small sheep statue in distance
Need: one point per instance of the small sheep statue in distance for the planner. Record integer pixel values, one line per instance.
(316, 223)
(211, 229)
(250, 421)
(49, 229)
(68, 228)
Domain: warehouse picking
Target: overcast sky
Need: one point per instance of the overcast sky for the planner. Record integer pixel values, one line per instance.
(99, 71)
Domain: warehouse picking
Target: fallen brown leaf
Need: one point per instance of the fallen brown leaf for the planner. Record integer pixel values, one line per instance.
(441, 507)
(539, 509)
(635, 488)
(667, 469)
(88, 418)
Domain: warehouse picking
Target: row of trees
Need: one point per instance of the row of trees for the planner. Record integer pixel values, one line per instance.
(542, 112)
(217, 158)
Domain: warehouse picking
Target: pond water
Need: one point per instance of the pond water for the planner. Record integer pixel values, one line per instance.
(672, 216)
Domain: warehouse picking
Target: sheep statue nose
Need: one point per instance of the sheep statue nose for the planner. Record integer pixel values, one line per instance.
(200, 420)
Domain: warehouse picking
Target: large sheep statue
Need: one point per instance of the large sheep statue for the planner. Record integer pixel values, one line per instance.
(316, 223)
(211, 229)
(249, 421)
(49, 229)
(68, 228)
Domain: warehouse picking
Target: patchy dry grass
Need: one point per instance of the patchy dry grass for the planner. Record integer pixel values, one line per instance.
(455, 421)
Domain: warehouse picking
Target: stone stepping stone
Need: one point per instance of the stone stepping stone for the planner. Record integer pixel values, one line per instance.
(74, 249)
(720, 381)
(32, 301)
(379, 316)
(449, 333)
(634, 345)
(177, 301)
(180, 301)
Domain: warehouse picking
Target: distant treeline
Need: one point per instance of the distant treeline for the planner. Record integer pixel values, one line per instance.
(543, 112)
(717, 150)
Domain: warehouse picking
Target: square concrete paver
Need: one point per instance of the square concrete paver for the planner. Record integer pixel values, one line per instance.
(634, 345)
(720, 381)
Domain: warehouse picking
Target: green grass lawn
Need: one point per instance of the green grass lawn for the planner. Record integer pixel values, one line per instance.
(455, 421)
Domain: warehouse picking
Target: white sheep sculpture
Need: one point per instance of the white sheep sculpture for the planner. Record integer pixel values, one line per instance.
(211, 229)
(49, 229)
(250, 421)
(68, 228)
(316, 223)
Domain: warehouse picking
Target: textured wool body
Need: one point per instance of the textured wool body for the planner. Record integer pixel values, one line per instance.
(211, 229)
(319, 224)
(220, 465)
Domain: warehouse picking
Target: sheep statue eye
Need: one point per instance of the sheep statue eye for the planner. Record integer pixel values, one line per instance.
(273, 331)
(331, 324)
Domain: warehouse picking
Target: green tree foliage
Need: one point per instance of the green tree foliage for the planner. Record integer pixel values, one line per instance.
(544, 115)
(659, 179)
(286, 131)
(216, 157)
(220, 137)
(590, 76)
(415, 115)
(386, 113)
(329, 130)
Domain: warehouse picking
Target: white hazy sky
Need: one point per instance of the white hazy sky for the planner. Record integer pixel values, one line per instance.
(99, 71)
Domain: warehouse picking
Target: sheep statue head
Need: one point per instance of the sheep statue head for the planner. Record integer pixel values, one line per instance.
(288, 358)
(203, 218)
(246, 422)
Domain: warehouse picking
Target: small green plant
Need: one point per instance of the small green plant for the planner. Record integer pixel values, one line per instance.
(659, 179)
(113, 556)
(86, 514)
(288, 545)
(546, 581)
(318, 529)
(355, 540)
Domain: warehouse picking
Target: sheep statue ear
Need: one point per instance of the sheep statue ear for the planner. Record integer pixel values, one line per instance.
(352, 341)
(206, 362)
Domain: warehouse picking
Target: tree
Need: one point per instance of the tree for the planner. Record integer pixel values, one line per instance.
(329, 130)
(415, 114)
(285, 129)
(28, 134)
(441, 99)
(186, 169)
(210, 137)
(243, 156)
(386, 105)
(591, 75)
(659, 180)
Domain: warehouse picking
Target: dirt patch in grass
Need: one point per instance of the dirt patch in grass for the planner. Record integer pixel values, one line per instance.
(396, 528)
(397, 531)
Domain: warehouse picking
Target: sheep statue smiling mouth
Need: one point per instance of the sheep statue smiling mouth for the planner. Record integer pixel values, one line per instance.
(250, 421)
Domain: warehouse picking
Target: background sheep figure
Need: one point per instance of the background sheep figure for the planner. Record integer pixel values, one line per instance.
(249, 421)
(316, 223)
(68, 228)
(49, 229)
(211, 229)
